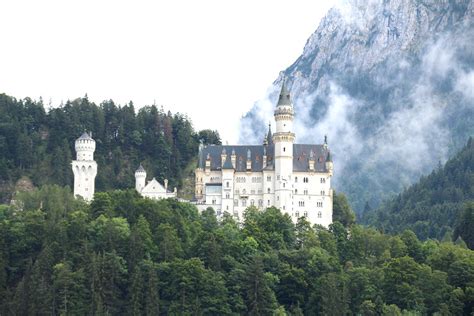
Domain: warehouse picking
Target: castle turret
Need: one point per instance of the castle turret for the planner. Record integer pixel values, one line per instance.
(84, 167)
(283, 139)
(140, 179)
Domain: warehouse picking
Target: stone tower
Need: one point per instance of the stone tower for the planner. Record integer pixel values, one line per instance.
(283, 139)
(84, 167)
(140, 179)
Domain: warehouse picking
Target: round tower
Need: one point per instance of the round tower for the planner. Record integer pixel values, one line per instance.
(140, 179)
(84, 167)
(283, 139)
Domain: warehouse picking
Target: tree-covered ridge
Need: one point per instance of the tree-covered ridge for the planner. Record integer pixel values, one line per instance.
(123, 254)
(39, 144)
(431, 207)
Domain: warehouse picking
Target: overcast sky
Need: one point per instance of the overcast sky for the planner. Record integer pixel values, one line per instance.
(210, 59)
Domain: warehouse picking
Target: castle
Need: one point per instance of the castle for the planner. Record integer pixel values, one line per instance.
(85, 171)
(296, 178)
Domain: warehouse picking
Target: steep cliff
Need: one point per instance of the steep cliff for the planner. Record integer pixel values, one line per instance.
(392, 85)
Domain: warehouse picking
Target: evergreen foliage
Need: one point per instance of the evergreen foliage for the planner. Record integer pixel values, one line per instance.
(123, 254)
(39, 144)
(436, 205)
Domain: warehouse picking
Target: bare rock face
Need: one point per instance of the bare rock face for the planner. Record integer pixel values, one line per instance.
(392, 85)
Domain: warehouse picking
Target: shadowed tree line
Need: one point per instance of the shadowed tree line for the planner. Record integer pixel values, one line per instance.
(123, 254)
(439, 206)
(39, 144)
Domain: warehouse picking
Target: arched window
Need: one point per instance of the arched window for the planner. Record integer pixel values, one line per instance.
(320, 214)
(268, 190)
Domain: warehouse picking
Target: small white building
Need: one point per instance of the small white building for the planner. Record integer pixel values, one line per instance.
(84, 167)
(153, 189)
(296, 178)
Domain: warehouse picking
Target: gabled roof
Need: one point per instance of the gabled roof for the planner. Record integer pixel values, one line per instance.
(153, 187)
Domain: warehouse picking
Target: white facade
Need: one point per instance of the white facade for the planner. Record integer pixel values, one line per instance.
(296, 178)
(84, 167)
(153, 189)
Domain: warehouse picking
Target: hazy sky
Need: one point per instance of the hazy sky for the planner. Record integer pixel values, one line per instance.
(210, 59)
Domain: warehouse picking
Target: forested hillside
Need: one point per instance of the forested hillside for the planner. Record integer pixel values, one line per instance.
(39, 144)
(123, 254)
(432, 207)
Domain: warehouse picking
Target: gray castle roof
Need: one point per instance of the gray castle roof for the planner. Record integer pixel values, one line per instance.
(84, 136)
(301, 156)
(140, 169)
(284, 98)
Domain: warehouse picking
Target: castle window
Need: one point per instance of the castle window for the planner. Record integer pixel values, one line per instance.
(213, 201)
(322, 192)
(260, 203)
(305, 214)
(268, 202)
(252, 191)
(297, 214)
(305, 192)
(227, 196)
(320, 214)
(296, 179)
(278, 177)
(244, 202)
(244, 191)
(269, 178)
(284, 149)
(323, 180)
(283, 207)
(236, 202)
(252, 202)
(296, 191)
(227, 184)
(284, 184)
(268, 190)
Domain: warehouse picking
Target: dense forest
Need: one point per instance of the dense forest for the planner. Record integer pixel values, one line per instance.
(433, 207)
(39, 144)
(124, 254)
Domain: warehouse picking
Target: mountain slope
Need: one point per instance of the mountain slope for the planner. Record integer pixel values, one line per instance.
(392, 85)
(432, 206)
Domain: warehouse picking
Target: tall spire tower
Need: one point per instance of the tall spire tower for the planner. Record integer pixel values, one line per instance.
(84, 167)
(283, 138)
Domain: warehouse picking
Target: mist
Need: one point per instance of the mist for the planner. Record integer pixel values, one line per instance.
(389, 123)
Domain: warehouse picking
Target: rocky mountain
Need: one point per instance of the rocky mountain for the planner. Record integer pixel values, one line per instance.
(392, 85)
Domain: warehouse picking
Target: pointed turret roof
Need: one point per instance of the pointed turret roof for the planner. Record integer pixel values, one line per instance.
(269, 135)
(140, 169)
(284, 98)
(85, 136)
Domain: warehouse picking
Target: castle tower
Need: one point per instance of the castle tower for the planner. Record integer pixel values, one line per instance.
(140, 179)
(84, 167)
(283, 139)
